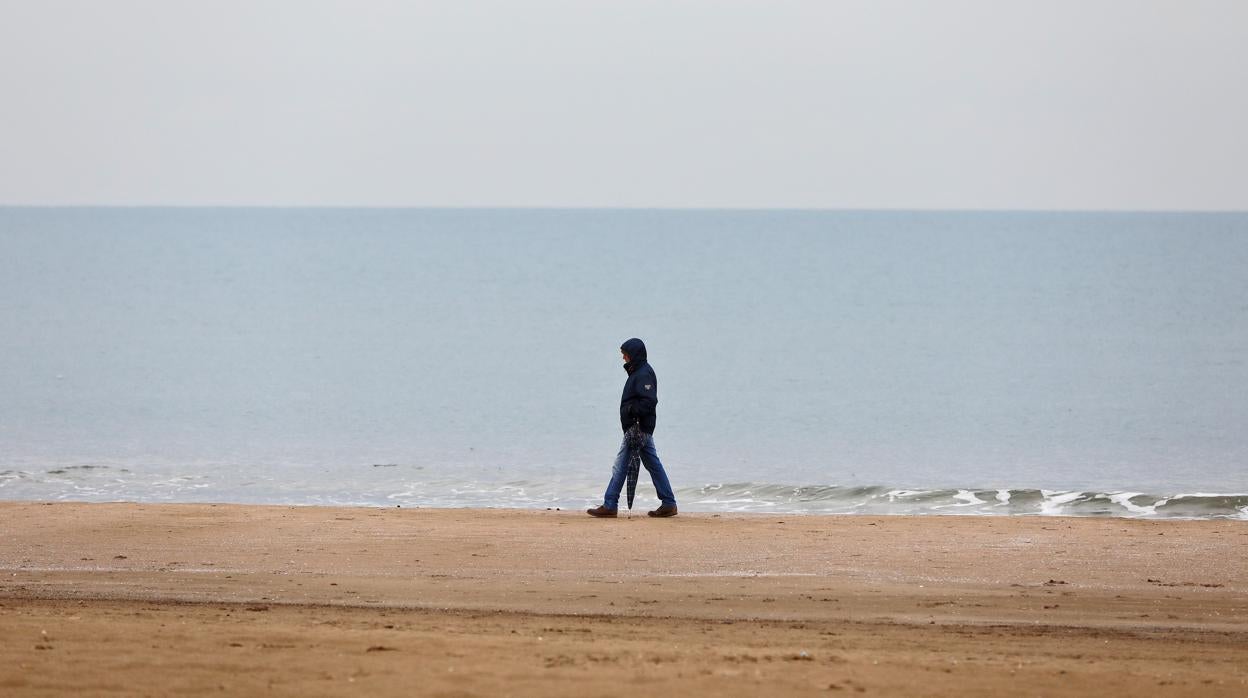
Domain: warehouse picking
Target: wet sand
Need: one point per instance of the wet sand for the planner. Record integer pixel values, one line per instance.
(130, 599)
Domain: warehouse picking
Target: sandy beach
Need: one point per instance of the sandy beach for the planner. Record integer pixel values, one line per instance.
(129, 599)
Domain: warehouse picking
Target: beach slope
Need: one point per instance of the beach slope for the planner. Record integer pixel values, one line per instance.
(132, 599)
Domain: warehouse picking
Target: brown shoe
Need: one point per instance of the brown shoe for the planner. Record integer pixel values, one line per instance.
(664, 511)
(601, 512)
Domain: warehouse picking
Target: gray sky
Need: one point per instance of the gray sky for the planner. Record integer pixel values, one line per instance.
(1092, 104)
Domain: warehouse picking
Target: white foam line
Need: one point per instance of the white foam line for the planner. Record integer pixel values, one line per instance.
(1055, 500)
(965, 499)
(1123, 499)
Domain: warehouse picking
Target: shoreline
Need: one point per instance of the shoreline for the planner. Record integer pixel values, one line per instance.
(704, 602)
(1053, 504)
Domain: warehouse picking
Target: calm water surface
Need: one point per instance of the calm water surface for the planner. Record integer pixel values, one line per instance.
(808, 361)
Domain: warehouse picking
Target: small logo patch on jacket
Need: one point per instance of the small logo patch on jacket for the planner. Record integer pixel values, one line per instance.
(647, 387)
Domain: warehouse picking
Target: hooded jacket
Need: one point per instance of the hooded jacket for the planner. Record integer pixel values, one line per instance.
(641, 390)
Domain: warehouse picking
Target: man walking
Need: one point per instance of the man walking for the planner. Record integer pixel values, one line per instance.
(637, 418)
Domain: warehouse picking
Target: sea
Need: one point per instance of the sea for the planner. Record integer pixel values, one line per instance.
(843, 362)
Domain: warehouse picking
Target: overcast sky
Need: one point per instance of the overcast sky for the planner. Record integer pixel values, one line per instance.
(1090, 104)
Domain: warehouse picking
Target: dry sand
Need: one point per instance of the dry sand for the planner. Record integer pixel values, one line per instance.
(127, 599)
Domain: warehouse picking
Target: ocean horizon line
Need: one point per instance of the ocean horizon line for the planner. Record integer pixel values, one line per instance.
(614, 209)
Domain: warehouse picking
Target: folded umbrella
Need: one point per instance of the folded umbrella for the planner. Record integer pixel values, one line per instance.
(634, 440)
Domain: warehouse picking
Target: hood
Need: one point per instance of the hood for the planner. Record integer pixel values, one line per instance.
(636, 350)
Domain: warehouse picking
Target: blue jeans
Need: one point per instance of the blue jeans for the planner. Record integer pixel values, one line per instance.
(649, 459)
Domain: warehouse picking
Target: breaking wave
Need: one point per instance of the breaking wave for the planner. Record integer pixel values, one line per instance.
(396, 484)
(747, 496)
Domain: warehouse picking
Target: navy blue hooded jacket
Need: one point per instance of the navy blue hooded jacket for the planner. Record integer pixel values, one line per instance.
(641, 390)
